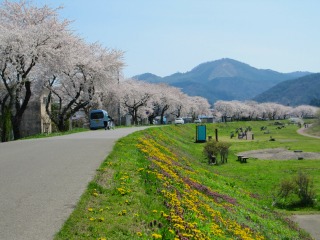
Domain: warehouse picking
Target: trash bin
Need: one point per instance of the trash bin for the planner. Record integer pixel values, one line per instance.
(201, 133)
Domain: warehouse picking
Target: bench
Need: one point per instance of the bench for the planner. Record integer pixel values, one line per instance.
(244, 159)
(240, 157)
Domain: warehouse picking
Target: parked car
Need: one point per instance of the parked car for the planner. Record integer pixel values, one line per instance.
(197, 120)
(179, 121)
(98, 119)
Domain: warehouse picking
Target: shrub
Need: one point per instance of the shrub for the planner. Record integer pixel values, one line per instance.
(305, 189)
(297, 191)
(214, 148)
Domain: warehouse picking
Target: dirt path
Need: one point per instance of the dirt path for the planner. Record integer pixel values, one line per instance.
(302, 131)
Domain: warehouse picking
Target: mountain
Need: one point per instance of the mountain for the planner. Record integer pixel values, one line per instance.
(149, 77)
(304, 90)
(224, 79)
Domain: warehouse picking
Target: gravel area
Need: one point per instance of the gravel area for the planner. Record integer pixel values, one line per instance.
(279, 154)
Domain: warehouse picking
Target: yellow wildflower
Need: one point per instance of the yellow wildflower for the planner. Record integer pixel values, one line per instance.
(156, 236)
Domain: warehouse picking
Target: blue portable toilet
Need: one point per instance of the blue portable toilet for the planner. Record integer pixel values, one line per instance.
(201, 133)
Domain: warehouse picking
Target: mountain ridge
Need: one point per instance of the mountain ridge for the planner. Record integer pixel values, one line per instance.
(301, 91)
(223, 79)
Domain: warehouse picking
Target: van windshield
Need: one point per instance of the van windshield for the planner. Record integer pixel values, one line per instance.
(96, 115)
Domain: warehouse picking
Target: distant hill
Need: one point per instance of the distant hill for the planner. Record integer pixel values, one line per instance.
(304, 90)
(224, 79)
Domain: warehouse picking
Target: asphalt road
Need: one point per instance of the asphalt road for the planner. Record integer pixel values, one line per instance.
(41, 180)
(310, 223)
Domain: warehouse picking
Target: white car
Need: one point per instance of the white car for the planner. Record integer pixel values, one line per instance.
(197, 120)
(179, 121)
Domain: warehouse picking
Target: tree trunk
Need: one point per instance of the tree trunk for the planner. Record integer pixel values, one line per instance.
(134, 117)
(16, 119)
(62, 126)
(16, 122)
(5, 124)
(165, 108)
(3, 119)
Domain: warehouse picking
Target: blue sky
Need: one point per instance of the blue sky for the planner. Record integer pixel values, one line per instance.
(168, 36)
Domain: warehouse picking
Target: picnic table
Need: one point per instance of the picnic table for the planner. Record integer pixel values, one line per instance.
(242, 158)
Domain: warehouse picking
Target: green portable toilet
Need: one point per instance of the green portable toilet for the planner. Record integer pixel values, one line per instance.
(201, 133)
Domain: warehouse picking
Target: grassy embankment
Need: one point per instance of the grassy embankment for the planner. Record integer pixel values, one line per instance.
(315, 129)
(156, 184)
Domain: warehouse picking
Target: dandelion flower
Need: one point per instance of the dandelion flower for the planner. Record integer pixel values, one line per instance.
(156, 236)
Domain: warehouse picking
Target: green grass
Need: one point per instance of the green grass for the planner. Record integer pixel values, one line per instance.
(314, 129)
(129, 197)
(45, 135)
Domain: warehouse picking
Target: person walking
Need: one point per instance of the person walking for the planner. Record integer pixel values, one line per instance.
(111, 123)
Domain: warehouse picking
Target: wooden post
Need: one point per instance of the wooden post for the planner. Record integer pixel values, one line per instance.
(216, 133)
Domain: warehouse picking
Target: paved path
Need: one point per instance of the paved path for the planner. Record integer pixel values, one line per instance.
(41, 180)
(310, 222)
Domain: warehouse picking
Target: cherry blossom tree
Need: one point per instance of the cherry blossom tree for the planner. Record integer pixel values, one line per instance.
(253, 110)
(250, 109)
(28, 35)
(225, 108)
(180, 107)
(273, 110)
(284, 111)
(197, 106)
(135, 98)
(166, 100)
(303, 111)
(76, 75)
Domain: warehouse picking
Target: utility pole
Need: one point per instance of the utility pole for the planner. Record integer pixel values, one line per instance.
(119, 114)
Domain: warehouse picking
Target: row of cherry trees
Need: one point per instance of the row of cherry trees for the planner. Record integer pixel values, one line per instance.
(40, 54)
(143, 100)
(252, 110)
